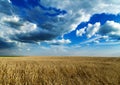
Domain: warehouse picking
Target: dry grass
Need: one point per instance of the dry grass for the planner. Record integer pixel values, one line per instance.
(59, 71)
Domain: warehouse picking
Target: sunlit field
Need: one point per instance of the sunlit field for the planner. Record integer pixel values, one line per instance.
(59, 71)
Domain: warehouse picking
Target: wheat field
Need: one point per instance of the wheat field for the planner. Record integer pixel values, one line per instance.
(59, 71)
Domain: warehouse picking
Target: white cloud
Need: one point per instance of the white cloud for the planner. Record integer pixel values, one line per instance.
(59, 42)
(9, 1)
(91, 40)
(92, 29)
(80, 32)
(10, 19)
(24, 27)
(28, 27)
(111, 29)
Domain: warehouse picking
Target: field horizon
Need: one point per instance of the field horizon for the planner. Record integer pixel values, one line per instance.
(53, 70)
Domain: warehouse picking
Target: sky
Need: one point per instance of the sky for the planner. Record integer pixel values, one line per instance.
(60, 27)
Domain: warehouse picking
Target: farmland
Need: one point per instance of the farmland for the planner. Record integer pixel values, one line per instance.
(59, 71)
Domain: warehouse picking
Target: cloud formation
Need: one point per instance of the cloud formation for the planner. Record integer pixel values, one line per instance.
(33, 21)
(90, 30)
(108, 32)
(110, 29)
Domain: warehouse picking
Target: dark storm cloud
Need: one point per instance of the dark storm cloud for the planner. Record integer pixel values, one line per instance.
(46, 19)
(34, 36)
(4, 44)
(15, 25)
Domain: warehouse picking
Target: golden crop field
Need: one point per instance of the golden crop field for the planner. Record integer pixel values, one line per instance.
(59, 71)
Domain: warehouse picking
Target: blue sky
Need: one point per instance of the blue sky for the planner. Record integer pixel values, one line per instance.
(60, 28)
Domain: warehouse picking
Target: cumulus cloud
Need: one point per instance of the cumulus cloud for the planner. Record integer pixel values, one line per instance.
(80, 32)
(111, 29)
(90, 30)
(108, 32)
